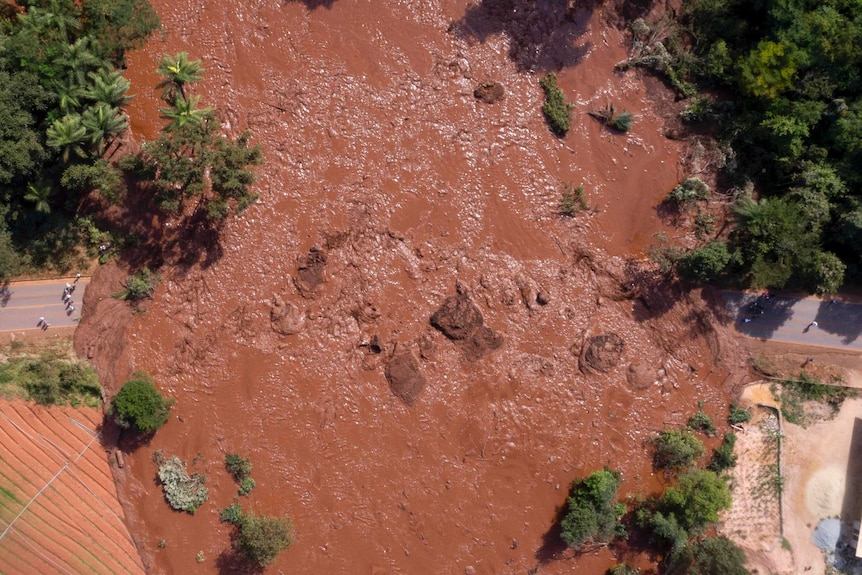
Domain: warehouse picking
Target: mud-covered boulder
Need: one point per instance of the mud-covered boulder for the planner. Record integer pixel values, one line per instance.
(458, 318)
(310, 272)
(489, 92)
(640, 375)
(405, 378)
(601, 352)
(483, 341)
(284, 317)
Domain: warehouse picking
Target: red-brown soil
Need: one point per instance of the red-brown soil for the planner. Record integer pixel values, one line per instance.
(76, 523)
(378, 154)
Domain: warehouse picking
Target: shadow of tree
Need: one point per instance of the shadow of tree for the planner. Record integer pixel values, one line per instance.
(313, 4)
(541, 33)
(756, 316)
(229, 562)
(553, 547)
(844, 319)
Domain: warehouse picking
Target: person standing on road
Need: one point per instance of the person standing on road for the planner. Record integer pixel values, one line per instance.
(40, 322)
(810, 325)
(77, 277)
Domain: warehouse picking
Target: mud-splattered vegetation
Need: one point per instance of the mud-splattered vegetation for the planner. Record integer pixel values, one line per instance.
(49, 375)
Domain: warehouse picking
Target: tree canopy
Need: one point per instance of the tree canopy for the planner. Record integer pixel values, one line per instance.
(593, 516)
(139, 406)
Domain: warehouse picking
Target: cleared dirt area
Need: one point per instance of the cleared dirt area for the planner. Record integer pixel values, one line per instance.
(59, 511)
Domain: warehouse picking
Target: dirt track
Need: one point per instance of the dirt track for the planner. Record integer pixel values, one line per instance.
(76, 524)
(385, 160)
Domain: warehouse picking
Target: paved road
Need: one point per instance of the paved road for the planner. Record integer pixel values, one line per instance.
(788, 319)
(23, 303)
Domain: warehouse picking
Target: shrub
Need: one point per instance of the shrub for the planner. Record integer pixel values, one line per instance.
(184, 492)
(593, 517)
(232, 514)
(701, 422)
(246, 485)
(676, 449)
(555, 108)
(621, 122)
(698, 110)
(572, 200)
(237, 466)
(718, 556)
(139, 405)
(52, 380)
(696, 499)
(738, 415)
(688, 193)
(261, 539)
(623, 569)
(723, 457)
(139, 286)
(706, 263)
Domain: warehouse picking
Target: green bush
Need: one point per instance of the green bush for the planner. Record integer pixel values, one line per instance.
(676, 449)
(572, 200)
(232, 514)
(706, 263)
(688, 193)
(738, 415)
(261, 539)
(139, 406)
(696, 499)
(183, 492)
(723, 457)
(557, 112)
(246, 485)
(592, 515)
(50, 380)
(701, 422)
(718, 556)
(237, 466)
(139, 286)
(623, 569)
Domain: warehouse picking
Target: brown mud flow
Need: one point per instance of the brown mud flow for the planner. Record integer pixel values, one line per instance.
(387, 184)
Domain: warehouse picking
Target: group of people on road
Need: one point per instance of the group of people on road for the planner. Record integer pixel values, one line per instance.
(66, 299)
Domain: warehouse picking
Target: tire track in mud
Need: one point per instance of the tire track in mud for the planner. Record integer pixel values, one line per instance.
(59, 511)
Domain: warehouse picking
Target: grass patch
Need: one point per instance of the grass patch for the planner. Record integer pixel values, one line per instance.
(9, 495)
(572, 200)
(557, 112)
(795, 393)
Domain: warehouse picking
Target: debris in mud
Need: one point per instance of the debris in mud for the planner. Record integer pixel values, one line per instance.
(461, 321)
(601, 353)
(405, 379)
(366, 312)
(285, 317)
(543, 297)
(310, 272)
(489, 92)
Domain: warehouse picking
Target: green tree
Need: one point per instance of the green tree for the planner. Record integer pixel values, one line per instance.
(706, 263)
(108, 88)
(103, 123)
(261, 538)
(718, 556)
(723, 457)
(185, 111)
(139, 406)
(67, 134)
(592, 515)
(769, 69)
(676, 449)
(178, 71)
(40, 195)
(697, 498)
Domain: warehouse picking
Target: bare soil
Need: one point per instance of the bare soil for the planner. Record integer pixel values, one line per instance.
(388, 188)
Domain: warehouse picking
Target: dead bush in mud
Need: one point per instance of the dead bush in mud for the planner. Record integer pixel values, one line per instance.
(183, 492)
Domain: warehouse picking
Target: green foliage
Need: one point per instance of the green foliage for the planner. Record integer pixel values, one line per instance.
(246, 485)
(178, 71)
(676, 449)
(139, 286)
(706, 263)
(723, 457)
(619, 121)
(666, 255)
(557, 112)
(700, 109)
(238, 466)
(592, 515)
(696, 499)
(702, 422)
(232, 514)
(139, 406)
(50, 378)
(688, 193)
(101, 175)
(261, 539)
(793, 393)
(623, 569)
(183, 492)
(718, 556)
(738, 415)
(768, 69)
(572, 200)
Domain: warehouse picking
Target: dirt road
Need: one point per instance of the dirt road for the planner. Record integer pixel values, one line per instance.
(788, 319)
(23, 303)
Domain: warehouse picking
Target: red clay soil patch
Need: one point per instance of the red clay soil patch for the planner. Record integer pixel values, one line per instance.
(58, 495)
(377, 150)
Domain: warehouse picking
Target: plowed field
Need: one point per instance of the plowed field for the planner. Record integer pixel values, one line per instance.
(58, 505)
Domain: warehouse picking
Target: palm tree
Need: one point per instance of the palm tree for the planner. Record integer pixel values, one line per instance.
(39, 195)
(185, 111)
(66, 134)
(108, 87)
(178, 71)
(103, 122)
(80, 59)
(41, 19)
(69, 96)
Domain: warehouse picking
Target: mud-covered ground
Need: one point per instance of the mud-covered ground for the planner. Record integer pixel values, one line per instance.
(411, 191)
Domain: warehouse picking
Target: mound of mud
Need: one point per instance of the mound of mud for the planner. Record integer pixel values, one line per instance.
(461, 321)
(285, 318)
(601, 353)
(405, 378)
(310, 272)
(640, 375)
(489, 92)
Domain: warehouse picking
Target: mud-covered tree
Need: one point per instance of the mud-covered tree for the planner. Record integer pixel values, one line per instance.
(676, 449)
(593, 515)
(139, 406)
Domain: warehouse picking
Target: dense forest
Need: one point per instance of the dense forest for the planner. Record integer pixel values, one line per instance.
(778, 83)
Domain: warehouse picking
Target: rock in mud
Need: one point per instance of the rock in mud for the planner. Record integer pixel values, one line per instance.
(405, 378)
(285, 317)
(543, 297)
(310, 272)
(461, 321)
(601, 353)
(640, 375)
(489, 92)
